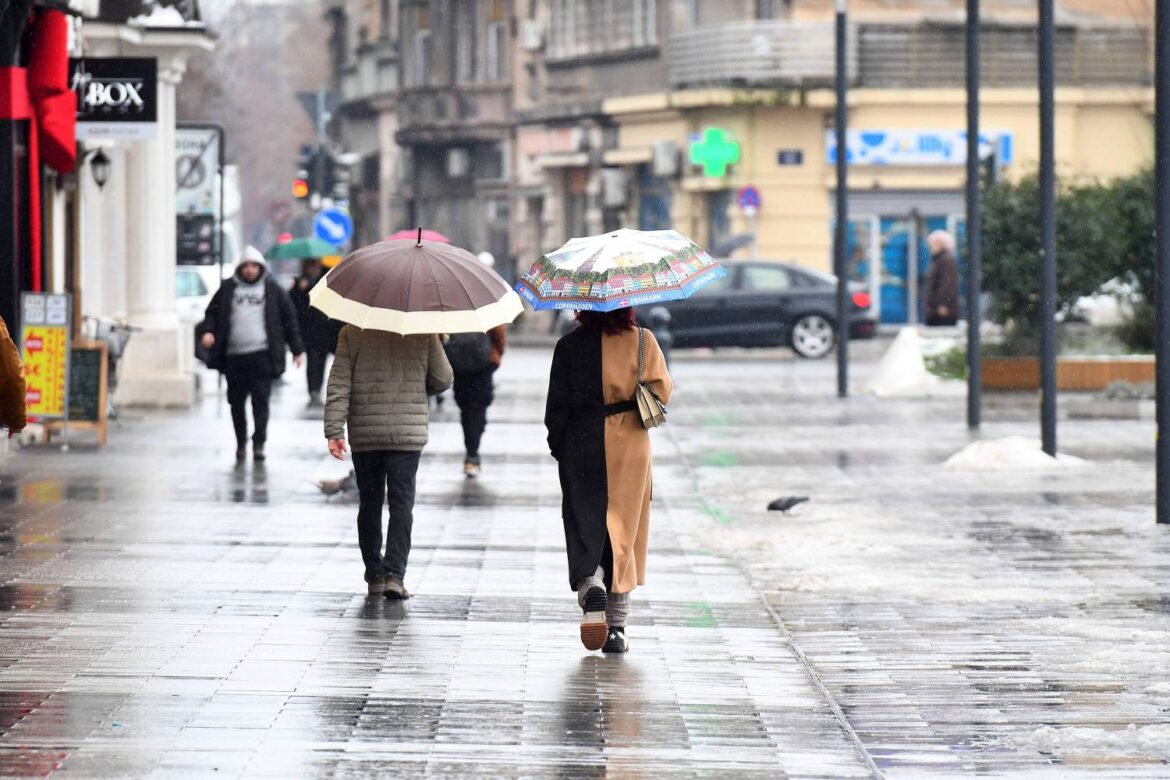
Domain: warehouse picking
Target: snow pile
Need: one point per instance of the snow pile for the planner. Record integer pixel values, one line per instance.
(163, 17)
(902, 370)
(1148, 741)
(1011, 452)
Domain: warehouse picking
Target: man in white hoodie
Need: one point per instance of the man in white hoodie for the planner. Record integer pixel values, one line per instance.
(248, 325)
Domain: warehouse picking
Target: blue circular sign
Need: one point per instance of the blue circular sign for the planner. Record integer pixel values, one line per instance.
(334, 226)
(748, 198)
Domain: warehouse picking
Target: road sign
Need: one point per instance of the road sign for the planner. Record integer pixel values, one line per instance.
(44, 339)
(334, 226)
(748, 198)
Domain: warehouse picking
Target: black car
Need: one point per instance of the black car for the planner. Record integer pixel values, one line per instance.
(766, 304)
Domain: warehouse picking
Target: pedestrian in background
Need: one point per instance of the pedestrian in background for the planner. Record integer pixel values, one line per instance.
(12, 390)
(604, 462)
(942, 280)
(474, 358)
(317, 331)
(377, 393)
(246, 329)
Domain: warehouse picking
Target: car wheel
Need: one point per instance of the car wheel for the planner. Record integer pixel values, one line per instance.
(812, 336)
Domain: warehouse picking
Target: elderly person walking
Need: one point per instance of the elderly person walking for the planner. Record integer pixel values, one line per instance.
(12, 401)
(604, 460)
(942, 280)
(377, 391)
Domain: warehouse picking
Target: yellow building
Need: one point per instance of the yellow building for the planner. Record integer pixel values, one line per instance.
(906, 140)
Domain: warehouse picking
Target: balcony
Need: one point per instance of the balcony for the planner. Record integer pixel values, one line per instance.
(448, 114)
(758, 54)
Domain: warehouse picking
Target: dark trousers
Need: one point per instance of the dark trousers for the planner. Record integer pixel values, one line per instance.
(385, 476)
(315, 358)
(934, 320)
(474, 394)
(249, 375)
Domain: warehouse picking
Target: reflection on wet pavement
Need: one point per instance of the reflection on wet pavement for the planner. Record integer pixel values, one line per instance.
(167, 612)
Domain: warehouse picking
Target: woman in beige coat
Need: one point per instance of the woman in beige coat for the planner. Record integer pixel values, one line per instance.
(604, 459)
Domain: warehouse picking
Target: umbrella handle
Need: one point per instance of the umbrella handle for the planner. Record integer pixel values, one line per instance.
(419, 237)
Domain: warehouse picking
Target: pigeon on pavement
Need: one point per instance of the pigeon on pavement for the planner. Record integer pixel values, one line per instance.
(784, 503)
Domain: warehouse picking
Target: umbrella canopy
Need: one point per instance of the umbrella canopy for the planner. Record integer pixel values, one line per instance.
(427, 235)
(619, 269)
(416, 287)
(301, 249)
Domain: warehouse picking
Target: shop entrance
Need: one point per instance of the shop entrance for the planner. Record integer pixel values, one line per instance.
(888, 252)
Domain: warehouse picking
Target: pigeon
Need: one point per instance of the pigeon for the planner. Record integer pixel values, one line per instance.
(784, 503)
(332, 487)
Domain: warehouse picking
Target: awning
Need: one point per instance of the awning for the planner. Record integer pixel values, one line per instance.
(571, 160)
(635, 155)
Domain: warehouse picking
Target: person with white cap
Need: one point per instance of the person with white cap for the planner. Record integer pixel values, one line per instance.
(246, 329)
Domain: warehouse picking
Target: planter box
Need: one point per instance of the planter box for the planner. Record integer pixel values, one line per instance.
(1072, 373)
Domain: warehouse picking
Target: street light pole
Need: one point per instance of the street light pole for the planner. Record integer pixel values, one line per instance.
(839, 258)
(1162, 254)
(1047, 231)
(974, 225)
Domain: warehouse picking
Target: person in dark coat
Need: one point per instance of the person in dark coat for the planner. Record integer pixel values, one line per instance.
(474, 357)
(317, 331)
(604, 461)
(942, 280)
(248, 325)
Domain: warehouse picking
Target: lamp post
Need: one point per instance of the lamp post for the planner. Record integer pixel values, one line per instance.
(1162, 253)
(974, 225)
(840, 261)
(1047, 230)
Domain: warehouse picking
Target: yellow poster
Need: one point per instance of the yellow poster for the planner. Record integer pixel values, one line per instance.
(45, 347)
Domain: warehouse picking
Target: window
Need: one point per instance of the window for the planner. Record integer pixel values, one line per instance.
(582, 28)
(388, 26)
(768, 9)
(422, 58)
(466, 38)
(189, 285)
(497, 52)
(766, 278)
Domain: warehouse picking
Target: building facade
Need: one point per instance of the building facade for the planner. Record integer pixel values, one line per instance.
(522, 123)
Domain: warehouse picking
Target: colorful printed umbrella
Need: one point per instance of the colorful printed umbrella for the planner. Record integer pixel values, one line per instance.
(614, 270)
(416, 287)
(427, 235)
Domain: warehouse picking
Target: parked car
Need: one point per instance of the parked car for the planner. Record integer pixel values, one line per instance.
(194, 286)
(767, 304)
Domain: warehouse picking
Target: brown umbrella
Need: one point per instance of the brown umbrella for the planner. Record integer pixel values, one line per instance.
(416, 287)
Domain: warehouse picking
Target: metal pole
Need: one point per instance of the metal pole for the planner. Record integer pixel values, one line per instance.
(839, 258)
(1047, 232)
(1162, 211)
(974, 225)
(319, 161)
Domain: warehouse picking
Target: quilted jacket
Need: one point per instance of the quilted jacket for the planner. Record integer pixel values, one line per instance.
(378, 388)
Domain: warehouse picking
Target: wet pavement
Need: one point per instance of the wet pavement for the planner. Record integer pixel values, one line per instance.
(165, 613)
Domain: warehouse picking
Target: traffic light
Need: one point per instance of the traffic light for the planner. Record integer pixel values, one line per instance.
(300, 186)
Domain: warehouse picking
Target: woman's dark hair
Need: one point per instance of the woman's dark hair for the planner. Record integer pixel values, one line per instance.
(611, 322)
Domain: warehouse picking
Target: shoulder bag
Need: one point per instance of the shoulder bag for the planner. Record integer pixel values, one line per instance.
(651, 410)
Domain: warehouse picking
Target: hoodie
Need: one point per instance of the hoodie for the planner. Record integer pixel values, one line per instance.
(248, 333)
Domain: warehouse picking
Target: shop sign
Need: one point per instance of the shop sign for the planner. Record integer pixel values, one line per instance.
(714, 151)
(197, 155)
(117, 97)
(921, 147)
(44, 339)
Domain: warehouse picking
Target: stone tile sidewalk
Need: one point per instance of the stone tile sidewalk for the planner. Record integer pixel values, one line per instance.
(166, 614)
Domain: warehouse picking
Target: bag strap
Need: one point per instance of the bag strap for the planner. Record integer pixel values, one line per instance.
(641, 353)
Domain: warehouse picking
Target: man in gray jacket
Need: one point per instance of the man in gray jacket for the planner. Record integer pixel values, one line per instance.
(378, 389)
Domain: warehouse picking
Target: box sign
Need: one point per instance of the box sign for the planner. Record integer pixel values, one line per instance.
(923, 147)
(117, 97)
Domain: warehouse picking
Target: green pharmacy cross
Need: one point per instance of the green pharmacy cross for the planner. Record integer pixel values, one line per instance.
(714, 152)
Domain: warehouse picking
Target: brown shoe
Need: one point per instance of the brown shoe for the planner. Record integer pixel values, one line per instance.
(395, 590)
(376, 587)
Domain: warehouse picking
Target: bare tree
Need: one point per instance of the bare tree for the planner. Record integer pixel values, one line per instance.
(266, 53)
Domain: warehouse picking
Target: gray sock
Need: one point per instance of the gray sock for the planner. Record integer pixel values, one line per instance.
(583, 586)
(618, 610)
